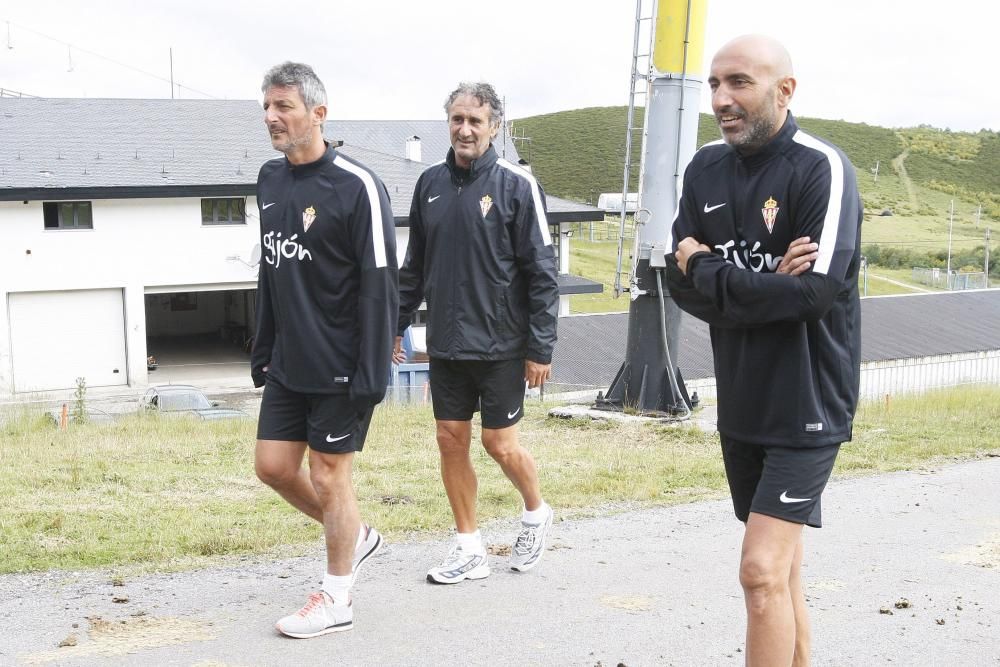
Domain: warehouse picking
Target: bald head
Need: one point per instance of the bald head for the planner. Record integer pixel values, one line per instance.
(752, 85)
(766, 52)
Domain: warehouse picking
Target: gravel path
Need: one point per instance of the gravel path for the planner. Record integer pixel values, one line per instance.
(648, 587)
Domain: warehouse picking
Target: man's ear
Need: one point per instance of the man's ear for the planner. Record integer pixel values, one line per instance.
(319, 114)
(494, 128)
(786, 89)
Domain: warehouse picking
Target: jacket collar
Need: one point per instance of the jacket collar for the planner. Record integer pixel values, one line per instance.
(776, 145)
(313, 167)
(480, 165)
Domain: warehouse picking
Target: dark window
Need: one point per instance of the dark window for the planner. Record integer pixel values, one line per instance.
(68, 215)
(223, 211)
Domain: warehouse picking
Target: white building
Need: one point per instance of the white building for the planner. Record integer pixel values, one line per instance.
(131, 224)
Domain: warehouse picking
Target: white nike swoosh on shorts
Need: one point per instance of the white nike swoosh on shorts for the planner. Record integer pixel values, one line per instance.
(341, 437)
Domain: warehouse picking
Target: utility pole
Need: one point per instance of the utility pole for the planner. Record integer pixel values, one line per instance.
(171, 72)
(951, 223)
(648, 380)
(875, 171)
(986, 261)
(979, 212)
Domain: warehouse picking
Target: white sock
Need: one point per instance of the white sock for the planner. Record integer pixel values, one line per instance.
(536, 516)
(470, 542)
(338, 588)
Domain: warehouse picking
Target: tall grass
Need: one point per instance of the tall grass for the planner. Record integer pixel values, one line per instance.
(165, 493)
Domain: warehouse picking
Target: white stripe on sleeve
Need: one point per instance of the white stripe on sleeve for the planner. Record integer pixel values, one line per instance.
(831, 223)
(378, 234)
(536, 195)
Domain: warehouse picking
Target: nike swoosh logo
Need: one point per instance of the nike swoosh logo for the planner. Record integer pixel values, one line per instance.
(510, 415)
(329, 438)
(431, 199)
(267, 206)
(785, 499)
(709, 209)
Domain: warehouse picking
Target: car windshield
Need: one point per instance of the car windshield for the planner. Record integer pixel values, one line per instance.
(187, 400)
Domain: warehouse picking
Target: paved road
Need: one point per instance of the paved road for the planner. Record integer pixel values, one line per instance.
(649, 587)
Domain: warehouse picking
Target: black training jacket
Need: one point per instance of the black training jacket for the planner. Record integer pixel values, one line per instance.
(787, 348)
(327, 294)
(481, 255)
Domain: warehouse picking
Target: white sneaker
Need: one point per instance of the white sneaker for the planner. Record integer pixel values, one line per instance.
(459, 566)
(368, 547)
(530, 544)
(319, 617)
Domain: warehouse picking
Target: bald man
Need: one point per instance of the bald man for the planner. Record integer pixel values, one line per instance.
(765, 248)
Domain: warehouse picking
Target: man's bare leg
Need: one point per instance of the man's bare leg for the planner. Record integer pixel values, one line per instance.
(331, 477)
(769, 548)
(803, 635)
(454, 440)
(516, 462)
(278, 464)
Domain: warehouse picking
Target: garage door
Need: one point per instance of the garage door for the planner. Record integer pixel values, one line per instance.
(57, 337)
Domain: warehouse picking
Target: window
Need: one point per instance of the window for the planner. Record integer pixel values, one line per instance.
(68, 215)
(223, 211)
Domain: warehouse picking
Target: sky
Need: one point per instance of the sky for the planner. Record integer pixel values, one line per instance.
(882, 62)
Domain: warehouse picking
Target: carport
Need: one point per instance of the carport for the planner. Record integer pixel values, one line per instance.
(197, 333)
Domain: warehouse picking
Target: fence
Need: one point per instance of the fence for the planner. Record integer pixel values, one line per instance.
(954, 281)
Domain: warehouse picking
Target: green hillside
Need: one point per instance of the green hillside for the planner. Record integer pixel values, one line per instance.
(921, 171)
(578, 154)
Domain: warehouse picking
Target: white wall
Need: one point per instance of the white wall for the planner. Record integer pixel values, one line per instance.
(139, 245)
(135, 244)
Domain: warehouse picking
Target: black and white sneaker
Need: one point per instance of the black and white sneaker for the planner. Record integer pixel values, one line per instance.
(530, 544)
(459, 566)
(365, 550)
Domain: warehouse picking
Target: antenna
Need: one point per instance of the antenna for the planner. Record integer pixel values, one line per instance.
(10, 44)
(69, 53)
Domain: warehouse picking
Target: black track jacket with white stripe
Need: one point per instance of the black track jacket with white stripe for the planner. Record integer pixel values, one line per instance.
(481, 255)
(787, 348)
(327, 292)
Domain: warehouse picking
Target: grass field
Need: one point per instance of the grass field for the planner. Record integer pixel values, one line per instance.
(596, 260)
(155, 494)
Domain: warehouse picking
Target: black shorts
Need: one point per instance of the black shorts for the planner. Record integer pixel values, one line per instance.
(783, 482)
(460, 388)
(328, 422)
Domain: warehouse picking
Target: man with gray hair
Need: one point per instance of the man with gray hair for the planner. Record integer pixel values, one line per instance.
(327, 298)
(481, 255)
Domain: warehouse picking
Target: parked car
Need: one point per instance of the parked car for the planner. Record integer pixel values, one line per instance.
(184, 399)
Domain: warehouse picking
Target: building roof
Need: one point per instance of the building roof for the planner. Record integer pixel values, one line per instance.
(591, 348)
(78, 148)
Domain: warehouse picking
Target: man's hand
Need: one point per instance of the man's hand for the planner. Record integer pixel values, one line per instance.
(535, 373)
(685, 249)
(799, 257)
(398, 354)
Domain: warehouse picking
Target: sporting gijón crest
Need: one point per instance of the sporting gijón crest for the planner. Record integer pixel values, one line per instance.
(770, 213)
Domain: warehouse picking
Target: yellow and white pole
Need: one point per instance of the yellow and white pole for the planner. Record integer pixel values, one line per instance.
(646, 380)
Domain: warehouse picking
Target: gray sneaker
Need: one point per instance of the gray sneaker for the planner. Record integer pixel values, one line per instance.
(368, 547)
(319, 617)
(459, 566)
(530, 544)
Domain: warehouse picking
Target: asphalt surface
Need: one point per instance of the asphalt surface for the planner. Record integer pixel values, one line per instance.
(647, 587)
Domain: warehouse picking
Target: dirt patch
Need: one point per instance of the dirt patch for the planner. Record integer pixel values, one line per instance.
(825, 585)
(632, 603)
(986, 554)
(124, 636)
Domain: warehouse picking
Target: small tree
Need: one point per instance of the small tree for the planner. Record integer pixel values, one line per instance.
(80, 400)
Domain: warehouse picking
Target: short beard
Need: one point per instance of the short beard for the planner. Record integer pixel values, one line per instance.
(759, 130)
(756, 135)
(295, 143)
